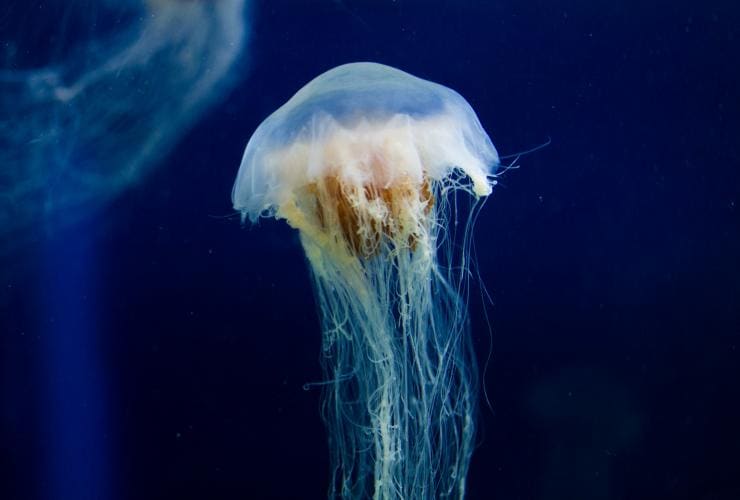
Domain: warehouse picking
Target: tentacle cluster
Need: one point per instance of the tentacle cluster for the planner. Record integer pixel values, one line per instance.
(399, 397)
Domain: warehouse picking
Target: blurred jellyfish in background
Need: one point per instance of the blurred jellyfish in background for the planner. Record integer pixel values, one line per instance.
(93, 93)
(372, 166)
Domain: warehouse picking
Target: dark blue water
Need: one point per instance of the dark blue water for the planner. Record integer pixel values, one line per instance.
(157, 349)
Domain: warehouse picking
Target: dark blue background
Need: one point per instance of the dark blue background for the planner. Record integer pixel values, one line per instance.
(612, 257)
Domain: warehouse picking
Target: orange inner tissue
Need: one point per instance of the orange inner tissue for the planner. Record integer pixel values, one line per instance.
(367, 214)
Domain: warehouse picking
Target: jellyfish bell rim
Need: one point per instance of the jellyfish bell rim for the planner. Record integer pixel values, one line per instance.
(355, 101)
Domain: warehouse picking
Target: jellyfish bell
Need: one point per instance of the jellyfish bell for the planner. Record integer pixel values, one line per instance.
(362, 122)
(361, 161)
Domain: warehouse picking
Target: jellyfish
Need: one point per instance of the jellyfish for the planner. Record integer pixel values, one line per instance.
(370, 164)
(84, 117)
